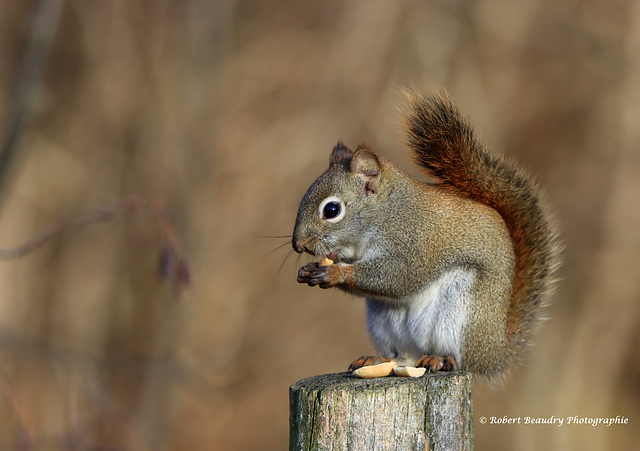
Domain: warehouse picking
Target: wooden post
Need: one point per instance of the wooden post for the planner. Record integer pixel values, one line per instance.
(342, 412)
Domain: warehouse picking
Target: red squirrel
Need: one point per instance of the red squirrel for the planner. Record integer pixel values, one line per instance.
(454, 272)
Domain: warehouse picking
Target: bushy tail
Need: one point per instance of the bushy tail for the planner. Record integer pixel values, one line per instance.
(443, 143)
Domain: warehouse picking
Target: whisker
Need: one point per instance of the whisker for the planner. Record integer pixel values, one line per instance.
(257, 235)
(272, 251)
(284, 260)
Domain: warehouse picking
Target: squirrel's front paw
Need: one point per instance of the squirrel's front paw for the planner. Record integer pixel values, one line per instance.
(323, 276)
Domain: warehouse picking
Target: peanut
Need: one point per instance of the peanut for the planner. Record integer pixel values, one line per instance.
(409, 371)
(379, 370)
(325, 262)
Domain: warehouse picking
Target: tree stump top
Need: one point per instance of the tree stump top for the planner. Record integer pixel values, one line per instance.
(341, 411)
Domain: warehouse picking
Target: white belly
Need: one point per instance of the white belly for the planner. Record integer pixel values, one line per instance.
(429, 322)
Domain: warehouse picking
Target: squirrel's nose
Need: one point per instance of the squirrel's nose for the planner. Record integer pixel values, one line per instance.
(296, 245)
(299, 244)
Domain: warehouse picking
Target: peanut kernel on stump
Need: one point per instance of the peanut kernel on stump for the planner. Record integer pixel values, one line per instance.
(409, 371)
(379, 370)
(325, 262)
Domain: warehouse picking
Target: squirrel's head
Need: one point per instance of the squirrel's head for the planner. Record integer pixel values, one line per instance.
(334, 215)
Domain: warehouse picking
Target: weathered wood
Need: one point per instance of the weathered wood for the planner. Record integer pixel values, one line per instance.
(342, 412)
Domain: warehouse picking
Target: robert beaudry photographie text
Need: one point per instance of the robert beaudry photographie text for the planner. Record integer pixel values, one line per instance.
(556, 421)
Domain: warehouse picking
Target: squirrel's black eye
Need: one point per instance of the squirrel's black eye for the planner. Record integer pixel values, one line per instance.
(331, 209)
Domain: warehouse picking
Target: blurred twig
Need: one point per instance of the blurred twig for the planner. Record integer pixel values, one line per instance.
(44, 25)
(172, 263)
(23, 430)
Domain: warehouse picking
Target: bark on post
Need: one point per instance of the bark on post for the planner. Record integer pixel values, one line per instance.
(342, 412)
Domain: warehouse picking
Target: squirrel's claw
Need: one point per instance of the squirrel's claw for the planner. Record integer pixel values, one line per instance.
(313, 275)
(324, 276)
(434, 363)
(366, 360)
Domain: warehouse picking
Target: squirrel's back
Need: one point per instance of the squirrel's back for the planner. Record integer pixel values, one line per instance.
(443, 143)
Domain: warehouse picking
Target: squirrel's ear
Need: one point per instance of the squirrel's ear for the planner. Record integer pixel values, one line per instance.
(366, 164)
(341, 154)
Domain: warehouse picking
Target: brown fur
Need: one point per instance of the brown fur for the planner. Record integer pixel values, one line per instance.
(443, 143)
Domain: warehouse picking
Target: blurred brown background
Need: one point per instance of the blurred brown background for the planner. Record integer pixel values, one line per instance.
(227, 111)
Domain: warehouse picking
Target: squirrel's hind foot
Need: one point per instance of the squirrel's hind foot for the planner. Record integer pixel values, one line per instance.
(435, 363)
